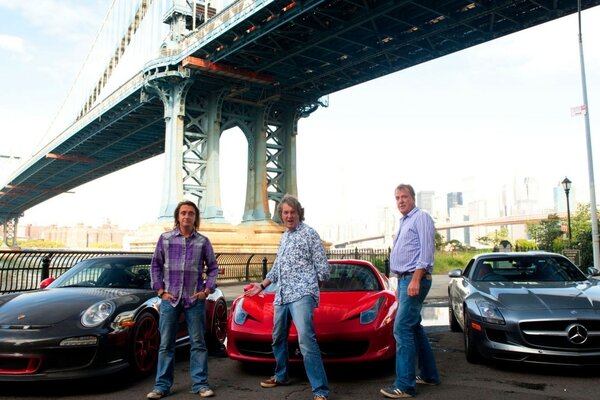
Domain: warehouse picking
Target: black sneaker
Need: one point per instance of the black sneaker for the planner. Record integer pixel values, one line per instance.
(156, 394)
(394, 393)
(422, 381)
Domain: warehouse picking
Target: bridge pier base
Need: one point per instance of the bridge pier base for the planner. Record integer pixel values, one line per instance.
(225, 238)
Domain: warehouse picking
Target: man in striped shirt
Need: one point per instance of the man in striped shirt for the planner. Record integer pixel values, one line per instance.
(411, 261)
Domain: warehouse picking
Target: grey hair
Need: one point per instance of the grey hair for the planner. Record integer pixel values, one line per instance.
(292, 202)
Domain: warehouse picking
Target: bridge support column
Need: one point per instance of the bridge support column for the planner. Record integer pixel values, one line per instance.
(213, 211)
(271, 161)
(172, 92)
(290, 131)
(257, 205)
(9, 232)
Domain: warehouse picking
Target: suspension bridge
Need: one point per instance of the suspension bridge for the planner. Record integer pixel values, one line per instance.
(170, 76)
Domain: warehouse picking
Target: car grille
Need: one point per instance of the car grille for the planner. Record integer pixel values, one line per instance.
(329, 350)
(50, 361)
(19, 365)
(575, 335)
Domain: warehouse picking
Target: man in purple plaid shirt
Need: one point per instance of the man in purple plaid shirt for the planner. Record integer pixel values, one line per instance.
(181, 259)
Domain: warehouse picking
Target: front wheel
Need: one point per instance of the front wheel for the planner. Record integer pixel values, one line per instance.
(452, 321)
(471, 353)
(144, 344)
(218, 326)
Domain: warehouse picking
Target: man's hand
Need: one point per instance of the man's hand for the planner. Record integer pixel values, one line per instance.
(252, 289)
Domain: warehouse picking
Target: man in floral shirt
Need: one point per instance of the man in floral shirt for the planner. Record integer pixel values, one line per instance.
(300, 264)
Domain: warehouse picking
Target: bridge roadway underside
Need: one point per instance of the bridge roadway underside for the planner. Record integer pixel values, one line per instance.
(262, 74)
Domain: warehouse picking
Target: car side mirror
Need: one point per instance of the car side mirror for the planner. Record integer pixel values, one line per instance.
(593, 271)
(46, 282)
(455, 273)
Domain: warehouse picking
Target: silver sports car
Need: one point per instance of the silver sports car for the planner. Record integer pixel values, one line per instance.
(532, 307)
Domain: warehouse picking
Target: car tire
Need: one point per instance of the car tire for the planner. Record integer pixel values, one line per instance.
(471, 353)
(145, 340)
(452, 321)
(218, 329)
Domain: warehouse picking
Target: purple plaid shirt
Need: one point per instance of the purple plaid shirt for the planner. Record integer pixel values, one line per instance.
(178, 265)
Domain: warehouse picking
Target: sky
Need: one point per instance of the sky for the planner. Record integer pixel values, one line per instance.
(492, 114)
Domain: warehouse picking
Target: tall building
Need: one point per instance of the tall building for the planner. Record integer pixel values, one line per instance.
(453, 199)
(425, 200)
(559, 198)
(526, 196)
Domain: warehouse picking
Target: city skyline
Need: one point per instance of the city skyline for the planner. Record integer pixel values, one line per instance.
(486, 114)
(463, 207)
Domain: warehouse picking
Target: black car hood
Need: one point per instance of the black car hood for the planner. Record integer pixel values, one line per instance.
(51, 306)
(546, 295)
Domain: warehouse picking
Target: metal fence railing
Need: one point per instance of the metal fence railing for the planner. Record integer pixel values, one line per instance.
(22, 270)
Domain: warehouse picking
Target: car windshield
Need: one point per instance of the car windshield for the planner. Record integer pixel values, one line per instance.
(107, 273)
(526, 269)
(350, 277)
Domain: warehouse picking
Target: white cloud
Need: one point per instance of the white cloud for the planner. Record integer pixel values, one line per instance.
(69, 20)
(13, 44)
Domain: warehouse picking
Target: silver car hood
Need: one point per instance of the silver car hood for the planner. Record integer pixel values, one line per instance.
(543, 295)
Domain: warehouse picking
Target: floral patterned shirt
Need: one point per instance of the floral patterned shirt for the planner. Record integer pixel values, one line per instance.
(300, 264)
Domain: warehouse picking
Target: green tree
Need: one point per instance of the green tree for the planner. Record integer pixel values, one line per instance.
(525, 245)
(440, 241)
(455, 245)
(494, 238)
(545, 232)
(581, 232)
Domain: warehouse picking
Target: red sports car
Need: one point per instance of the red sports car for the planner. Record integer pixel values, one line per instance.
(353, 323)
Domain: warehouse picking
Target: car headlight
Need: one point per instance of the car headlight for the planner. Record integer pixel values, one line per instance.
(489, 312)
(240, 315)
(97, 314)
(368, 316)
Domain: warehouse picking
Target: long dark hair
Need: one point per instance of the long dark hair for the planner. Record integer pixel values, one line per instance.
(187, 203)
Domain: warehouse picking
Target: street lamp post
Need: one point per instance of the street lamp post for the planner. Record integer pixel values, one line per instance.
(566, 184)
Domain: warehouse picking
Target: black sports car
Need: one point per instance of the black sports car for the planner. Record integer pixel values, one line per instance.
(97, 318)
(531, 307)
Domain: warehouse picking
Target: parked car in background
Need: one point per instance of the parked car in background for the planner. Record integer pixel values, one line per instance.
(529, 307)
(97, 318)
(353, 323)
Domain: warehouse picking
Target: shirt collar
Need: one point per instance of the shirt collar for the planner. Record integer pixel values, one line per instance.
(193, 234)
(297, 228)
(410, 213)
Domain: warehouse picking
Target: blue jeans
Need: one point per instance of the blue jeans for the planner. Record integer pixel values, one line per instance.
(301, 312)
(195, 319)
(411, 339)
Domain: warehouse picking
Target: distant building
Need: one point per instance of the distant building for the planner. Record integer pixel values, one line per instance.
(425, 200)
(453, 200)
(75, 237)
(559, 198)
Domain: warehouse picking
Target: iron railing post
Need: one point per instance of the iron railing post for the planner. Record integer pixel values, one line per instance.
(264, 267)
(45, 267)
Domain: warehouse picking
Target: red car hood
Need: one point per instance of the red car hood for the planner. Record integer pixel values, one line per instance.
(334, 307)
